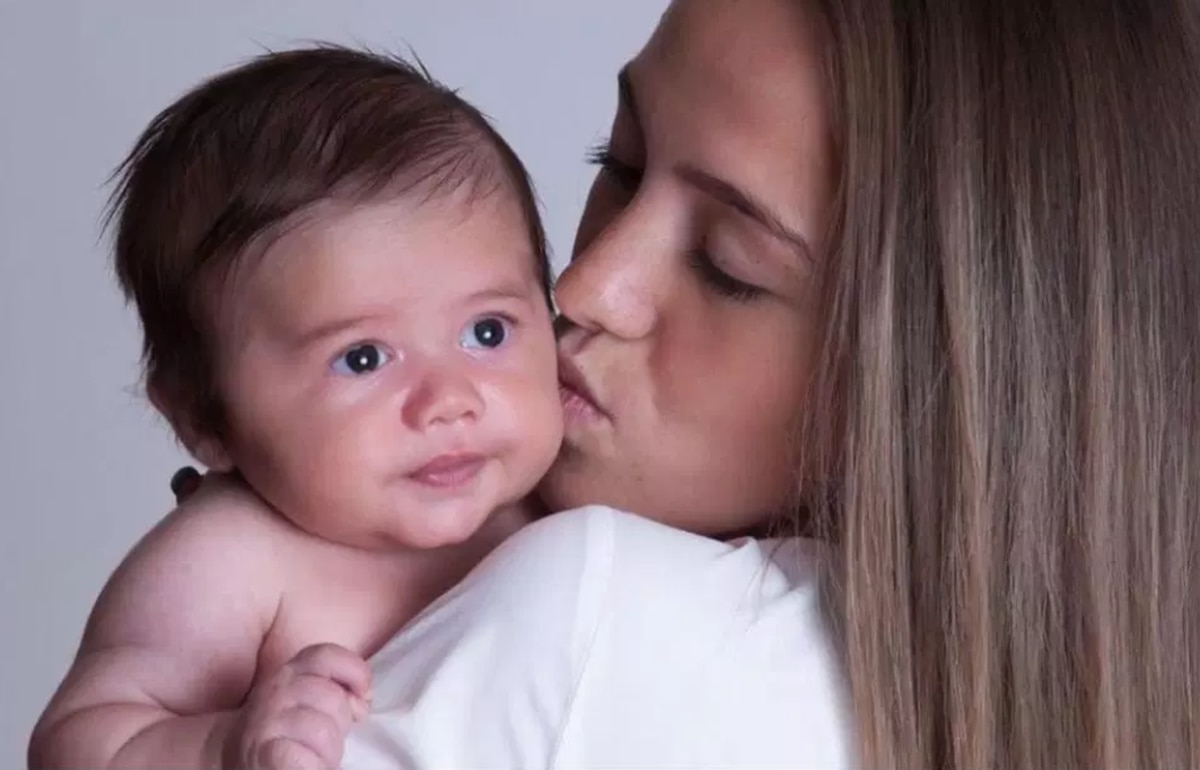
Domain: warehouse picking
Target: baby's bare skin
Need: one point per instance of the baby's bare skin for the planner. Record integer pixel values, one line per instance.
(229, 637)
(388, 385)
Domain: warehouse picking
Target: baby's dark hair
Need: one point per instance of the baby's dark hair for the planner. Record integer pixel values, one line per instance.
(256, 145)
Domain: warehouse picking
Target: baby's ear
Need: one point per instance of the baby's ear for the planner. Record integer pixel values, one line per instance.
(207, 448)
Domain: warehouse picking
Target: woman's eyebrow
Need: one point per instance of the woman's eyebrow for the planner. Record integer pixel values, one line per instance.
(723, 191)
(745, 203)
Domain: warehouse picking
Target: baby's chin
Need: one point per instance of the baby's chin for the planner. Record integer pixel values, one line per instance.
(405, 515)
(439, 526)
(456, 521)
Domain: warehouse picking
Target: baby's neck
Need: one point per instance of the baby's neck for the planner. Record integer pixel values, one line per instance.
(503, 522)
(455, 561)
(407, 581)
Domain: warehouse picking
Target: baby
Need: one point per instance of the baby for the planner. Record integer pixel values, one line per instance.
(344, 289)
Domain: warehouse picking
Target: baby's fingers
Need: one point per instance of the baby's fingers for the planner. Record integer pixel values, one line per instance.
(308, 740)
(337, 663)
(286, 754)
(327, 697)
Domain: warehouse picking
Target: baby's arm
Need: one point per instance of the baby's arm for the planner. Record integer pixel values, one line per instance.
(172, 645)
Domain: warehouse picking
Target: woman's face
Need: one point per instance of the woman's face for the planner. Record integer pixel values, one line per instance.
(691, 293)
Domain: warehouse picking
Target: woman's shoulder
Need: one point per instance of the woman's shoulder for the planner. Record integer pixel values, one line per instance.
(485, 675)
(608, 536)
(593, 544)
(595, 637)
(708, 654)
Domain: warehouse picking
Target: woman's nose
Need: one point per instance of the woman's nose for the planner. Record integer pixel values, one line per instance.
(445, 395)
(614, 285)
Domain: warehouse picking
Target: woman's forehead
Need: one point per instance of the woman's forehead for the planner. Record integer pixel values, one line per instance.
(724, 70)
(748, 44)
(737, 88)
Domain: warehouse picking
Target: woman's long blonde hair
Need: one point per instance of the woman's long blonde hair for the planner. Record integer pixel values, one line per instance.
(1008, 400)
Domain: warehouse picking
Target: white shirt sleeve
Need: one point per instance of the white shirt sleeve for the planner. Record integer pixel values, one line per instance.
(598, 639)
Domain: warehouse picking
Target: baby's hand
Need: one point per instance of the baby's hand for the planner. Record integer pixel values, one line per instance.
(298, 718)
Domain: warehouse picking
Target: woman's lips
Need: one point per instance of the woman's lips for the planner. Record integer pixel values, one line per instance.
(449, 471)
(576, 406)
(578, 400)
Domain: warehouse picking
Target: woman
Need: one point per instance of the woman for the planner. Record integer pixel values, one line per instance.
(917, 280)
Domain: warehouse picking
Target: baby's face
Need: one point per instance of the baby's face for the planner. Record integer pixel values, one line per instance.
(390, 372)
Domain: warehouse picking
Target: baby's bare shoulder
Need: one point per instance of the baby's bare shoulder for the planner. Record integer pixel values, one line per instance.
(180, 622)
(215, 555)
(223, 520)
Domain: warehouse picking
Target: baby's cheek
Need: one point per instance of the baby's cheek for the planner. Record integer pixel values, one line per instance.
(533, 426)
(550, 423)
(340, 451)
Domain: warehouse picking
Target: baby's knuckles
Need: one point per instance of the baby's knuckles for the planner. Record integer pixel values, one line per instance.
(284, 754)
(265, 738)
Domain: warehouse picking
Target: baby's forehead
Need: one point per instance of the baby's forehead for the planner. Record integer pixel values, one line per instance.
(341, 223)
(389, 254)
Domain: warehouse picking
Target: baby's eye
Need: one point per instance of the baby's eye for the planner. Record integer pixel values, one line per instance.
(360, 359)
(485, 333)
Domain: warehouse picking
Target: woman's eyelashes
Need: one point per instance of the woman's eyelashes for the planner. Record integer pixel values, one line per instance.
(629, 177)
(626, 175)
(719, 280)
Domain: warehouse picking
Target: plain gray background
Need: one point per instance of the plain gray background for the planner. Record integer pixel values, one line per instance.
(84, 461)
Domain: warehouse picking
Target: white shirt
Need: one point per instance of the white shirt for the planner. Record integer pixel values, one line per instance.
(599, 639)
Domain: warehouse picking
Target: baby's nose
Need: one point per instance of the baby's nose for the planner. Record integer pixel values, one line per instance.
(442, 397)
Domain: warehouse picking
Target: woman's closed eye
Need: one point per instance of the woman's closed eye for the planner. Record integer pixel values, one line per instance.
(720, 281)
(629, 178)
(626, 175)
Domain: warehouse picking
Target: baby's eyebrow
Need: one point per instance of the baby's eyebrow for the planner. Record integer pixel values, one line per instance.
(335, 326)
(310, 335)
(512, 292)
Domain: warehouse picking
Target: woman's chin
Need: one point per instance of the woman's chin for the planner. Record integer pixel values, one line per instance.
(572, 481)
